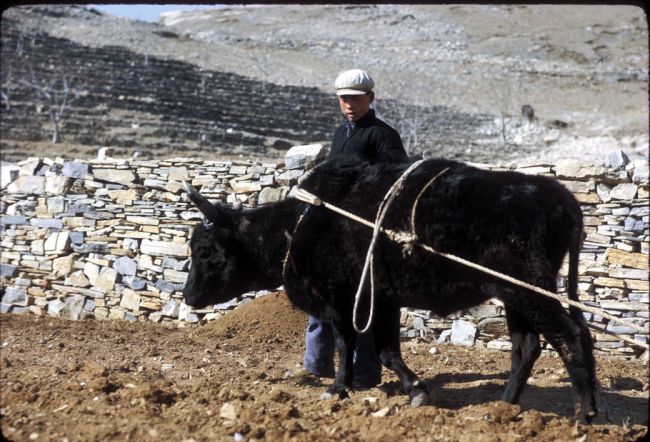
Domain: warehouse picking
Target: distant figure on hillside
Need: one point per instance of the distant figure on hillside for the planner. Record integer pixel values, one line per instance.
(528, 112)
(365, 136)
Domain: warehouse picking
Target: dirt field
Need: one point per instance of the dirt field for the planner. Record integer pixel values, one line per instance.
(233, 379)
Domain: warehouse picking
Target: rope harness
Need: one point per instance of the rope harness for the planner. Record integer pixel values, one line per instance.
(409, 240)
(369, 262)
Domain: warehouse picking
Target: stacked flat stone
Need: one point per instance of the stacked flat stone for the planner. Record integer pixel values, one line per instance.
(108, 238)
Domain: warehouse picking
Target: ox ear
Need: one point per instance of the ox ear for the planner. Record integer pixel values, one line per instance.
(209, 210)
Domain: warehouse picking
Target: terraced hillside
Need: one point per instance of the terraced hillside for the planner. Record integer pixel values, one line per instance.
(163, 107)
(250, 81)
(156, 105)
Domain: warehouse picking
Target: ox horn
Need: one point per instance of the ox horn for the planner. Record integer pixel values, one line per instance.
(208, 209)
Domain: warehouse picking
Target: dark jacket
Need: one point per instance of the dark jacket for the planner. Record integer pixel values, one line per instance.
(371, 140)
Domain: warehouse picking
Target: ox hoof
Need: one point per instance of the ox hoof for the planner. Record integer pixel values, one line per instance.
(586, 412)
(339, 390)
(328, 395)
(419, 399)
(588, 418)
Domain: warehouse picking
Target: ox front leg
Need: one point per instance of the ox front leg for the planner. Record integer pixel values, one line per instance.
(388, 346)
(345, 338)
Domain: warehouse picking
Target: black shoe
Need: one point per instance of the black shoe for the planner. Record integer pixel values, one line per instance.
(303, 372)
(305, 377)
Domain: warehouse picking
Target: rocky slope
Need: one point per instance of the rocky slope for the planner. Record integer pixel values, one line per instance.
(453, 79)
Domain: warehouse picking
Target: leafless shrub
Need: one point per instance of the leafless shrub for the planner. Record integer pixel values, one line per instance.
(506, 95)
(407, 116)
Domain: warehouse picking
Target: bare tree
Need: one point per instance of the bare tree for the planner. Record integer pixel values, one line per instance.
(407, 117)
(506, 94)
(503, 99)
(205, 76)
(28, 32)
(145, 45)
(415, 124)
(53, 89)
(7, 83)
(55, 92)
(30, 29)
(262, 63)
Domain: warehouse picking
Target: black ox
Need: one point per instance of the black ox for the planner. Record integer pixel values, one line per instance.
(517, 224)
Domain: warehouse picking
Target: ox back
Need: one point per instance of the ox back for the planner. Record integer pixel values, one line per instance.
(516, 224)
(513, 223)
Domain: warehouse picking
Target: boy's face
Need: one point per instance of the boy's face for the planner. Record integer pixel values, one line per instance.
(355, 106)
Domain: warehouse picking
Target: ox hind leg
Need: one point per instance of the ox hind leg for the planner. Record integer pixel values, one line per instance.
(569, 336)
(386, 331)
(525, 351)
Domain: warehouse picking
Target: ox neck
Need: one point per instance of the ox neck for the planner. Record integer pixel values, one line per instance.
(266, 232)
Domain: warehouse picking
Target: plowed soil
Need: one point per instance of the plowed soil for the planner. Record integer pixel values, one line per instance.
(234, 379)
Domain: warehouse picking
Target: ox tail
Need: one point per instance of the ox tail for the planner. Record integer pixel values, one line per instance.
(576, 238)
(575, 246)
(574, 254)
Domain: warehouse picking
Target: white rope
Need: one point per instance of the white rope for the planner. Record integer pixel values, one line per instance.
(535, 289)
(621, 337)
(369, 262)
(403, 237)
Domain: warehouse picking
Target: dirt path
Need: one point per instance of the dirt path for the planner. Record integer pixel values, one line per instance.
(232, 379)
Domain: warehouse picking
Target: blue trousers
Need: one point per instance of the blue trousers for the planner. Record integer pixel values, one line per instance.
(319, 354)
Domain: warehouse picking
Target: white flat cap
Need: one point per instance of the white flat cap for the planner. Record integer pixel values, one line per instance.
(354, 82)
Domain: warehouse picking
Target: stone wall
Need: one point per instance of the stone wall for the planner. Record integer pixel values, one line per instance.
(108, 238)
